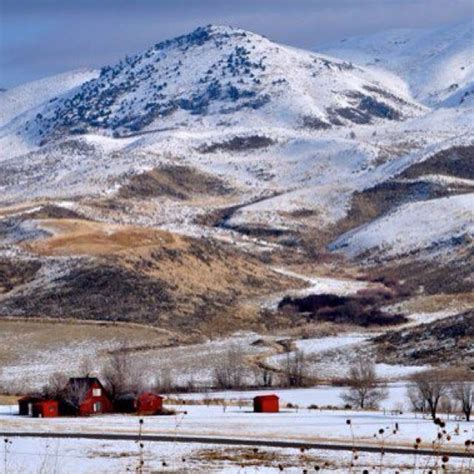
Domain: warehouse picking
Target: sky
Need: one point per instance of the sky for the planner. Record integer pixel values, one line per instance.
(39, 38)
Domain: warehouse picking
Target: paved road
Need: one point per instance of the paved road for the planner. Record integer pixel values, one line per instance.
(237, 442)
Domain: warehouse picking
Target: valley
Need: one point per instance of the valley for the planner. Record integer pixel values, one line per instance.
(220, 200)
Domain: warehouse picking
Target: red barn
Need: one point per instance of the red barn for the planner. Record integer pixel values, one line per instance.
(45, 409)
(25, 405)
(148, 403)
(266, 404)
(85, 396)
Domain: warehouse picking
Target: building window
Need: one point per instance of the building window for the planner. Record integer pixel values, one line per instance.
(96, 392)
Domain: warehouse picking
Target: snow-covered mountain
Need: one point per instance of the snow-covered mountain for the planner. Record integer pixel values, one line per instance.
(216, 76)
(437, 64)
(28, 97)
(306, 146)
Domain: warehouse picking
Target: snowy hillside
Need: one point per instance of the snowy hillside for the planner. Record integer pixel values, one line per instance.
(220, 76)
(296, 136)
(436, 224)
(16, 101)
(437, 64)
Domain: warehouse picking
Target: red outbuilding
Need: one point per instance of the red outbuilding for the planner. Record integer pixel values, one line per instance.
(46, 409)
(148, 403)
(266, 404)
(85, 396)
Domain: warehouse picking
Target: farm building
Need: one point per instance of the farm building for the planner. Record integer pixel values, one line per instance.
(45, 409)
(266, 404)
(85, 396)
(125, 403)
(38, 407)
(149, 403)
(25, 405)
(145, 403)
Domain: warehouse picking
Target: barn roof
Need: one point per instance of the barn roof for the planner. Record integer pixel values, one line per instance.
(84, 381)
(262, 397)
(30, 398)
(149, 394)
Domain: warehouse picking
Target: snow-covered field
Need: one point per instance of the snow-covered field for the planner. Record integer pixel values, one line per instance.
(201, 420)
(188, 364)
(33, 455)
(235, 421)
(321, 396)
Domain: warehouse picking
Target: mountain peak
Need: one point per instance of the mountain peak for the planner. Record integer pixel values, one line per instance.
(204, 34)
(234, 74)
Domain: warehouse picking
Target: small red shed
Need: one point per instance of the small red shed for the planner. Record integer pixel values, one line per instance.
(266, 404)
(85, 396)
(46, 409)
(25, 405)
(149, 403)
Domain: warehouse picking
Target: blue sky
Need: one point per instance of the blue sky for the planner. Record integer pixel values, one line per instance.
(44, 37)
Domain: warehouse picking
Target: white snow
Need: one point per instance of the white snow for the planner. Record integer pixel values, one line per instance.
(413, 227)
(20, 99)
(437, 64)
(321, 396)
(235, 421)
(304, 169)
(32, 455)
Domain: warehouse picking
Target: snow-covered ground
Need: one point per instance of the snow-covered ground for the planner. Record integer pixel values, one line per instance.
(316, 285)
(414, 226)
(240, 422)
(321, 396)
(187, 364)
(314, 168)
(33, 455)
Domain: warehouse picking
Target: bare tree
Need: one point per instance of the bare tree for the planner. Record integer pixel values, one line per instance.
(118, 373)
(295, 369)
(229, 372)
(427, 391)
(164, 381)
(74, 393)
(446, 405)
(463, 393)
(364, 388)
(55, 386)
(86, 367)
(2, 387)
(263, 376)
(417, 403)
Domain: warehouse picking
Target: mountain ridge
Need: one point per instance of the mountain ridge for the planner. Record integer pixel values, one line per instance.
(299, 141)
(437, 64)
(239, 74)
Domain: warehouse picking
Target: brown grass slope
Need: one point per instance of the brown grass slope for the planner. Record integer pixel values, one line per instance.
(449, 340)
(179, 182)
(129, 273)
